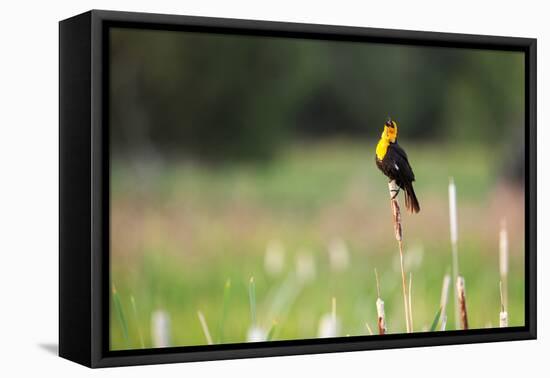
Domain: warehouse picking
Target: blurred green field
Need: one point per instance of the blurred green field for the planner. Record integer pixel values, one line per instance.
(180, 231)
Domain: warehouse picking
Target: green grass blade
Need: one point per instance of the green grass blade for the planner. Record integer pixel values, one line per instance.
(252, 298)
(284, 297)
(226, 297)
(136, 319)
(120, 314)
(271, 332)
(436, 320)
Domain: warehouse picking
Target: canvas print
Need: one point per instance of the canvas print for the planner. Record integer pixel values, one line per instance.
(269, 188)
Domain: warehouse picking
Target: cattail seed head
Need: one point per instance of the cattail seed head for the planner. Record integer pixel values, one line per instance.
(503, 249)
(338, 255)
(379, 307)
(381, 316)
(503, 313)
(256, 334)
(305, 266)
(503, 319)
(461, 293)
(160, 327)
(274, 258)
(329, 325)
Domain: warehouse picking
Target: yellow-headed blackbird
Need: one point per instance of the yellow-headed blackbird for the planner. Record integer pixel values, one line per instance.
(392, 160)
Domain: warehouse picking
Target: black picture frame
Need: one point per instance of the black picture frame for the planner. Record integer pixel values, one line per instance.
(84, 189)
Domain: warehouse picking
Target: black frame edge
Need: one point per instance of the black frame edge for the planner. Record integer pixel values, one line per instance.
(342, 344)
(75, 334)
(293, 29)
(531, 179)
(100, 170)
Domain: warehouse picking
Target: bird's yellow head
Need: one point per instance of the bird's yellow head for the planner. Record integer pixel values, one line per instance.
(390, 131)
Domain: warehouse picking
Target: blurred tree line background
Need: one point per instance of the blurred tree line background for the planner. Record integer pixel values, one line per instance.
(217, 97)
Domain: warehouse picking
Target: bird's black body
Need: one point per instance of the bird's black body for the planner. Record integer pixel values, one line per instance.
(395, 165)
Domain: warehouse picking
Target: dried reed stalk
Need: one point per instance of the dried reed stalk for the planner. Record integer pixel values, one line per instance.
(503, 313)
(369, 329)
(503, 264)
(461, 294)
(204, 327)
(380, 308)
(398, 230)
(453, 222)
(443, 323)
(444, 300)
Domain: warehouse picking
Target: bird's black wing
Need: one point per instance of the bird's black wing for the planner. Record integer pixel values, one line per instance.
(396, 166)
(398, 162)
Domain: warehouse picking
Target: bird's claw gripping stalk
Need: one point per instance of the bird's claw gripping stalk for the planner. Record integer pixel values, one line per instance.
(394, 189)
(394, 193)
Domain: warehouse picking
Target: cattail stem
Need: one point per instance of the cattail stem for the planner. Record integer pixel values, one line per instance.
(404, 287)
(377, 283)
(461, 294)
(394, 189)
(410, 301)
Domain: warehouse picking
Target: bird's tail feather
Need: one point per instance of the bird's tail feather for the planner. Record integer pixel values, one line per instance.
(411, 202)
